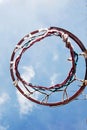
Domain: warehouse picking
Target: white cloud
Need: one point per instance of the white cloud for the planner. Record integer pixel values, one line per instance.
(55, 57)
(38, 2)
(4, 127)
(3, 1)
(25, 105)
(28, 73)
(52, 3)
(53, 78)
(4, 98)
(48, 3)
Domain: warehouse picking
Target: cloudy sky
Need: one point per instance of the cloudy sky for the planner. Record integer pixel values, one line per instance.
(18, 18)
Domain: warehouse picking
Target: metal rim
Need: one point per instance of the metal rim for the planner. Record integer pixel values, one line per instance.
(77, 93)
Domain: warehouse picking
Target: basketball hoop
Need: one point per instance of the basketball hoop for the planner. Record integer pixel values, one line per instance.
(63, 91)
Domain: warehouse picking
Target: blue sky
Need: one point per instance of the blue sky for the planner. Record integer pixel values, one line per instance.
(18, 18)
